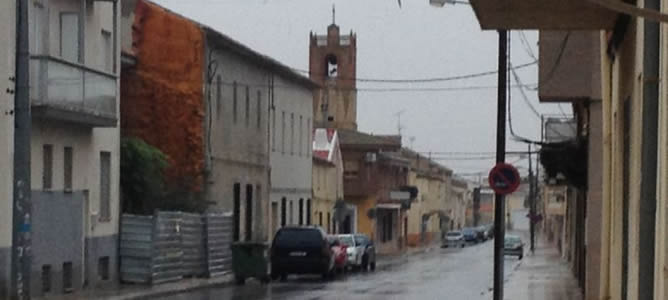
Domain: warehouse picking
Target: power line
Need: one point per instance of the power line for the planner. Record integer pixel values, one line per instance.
(374, 89)
(550, 74)
(510, 152)
(527, 45)
(419, 80)
(561, 109)
(510, 115)
(524, 96)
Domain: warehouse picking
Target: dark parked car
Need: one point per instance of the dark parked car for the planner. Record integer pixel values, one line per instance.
(489, 231)
(470, 235)
(513, 246)
(301, 250)
(480, 233)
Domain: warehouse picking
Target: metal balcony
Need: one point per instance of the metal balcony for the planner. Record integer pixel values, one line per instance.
(72, 93)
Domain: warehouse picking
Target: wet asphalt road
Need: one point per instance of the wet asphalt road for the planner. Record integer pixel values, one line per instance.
(438, 274)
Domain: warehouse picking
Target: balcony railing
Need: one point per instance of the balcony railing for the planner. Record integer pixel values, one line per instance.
(71, 92)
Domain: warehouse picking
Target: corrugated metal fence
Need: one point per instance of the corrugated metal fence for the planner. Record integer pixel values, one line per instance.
(219, 238)
(171, 245)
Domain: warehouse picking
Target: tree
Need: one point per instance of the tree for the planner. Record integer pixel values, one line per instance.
(144, 187)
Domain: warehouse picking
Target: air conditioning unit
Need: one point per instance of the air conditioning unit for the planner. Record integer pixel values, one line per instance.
(370, 157)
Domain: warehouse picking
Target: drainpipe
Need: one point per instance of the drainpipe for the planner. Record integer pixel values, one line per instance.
(650, 108)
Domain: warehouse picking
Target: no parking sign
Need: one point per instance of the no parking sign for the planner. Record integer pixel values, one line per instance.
(504, 179)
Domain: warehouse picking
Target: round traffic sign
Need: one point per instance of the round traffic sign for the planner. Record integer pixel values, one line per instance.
(504, 179)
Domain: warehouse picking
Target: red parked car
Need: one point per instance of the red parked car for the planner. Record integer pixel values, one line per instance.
(340, 253)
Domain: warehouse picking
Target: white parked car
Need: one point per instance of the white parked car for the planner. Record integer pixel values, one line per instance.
(361, 251)
(454, 239)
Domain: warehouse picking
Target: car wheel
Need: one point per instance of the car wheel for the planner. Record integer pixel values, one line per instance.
(373, 266)
(240, 280)
(284, 277)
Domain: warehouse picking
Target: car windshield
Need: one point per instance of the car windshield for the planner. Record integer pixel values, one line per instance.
(347, 240)
(298, 237)
(467, 231)
(454, 233)
(360, 240)
(512, 239)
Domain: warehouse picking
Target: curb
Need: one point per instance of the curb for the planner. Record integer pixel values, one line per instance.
(223, 281)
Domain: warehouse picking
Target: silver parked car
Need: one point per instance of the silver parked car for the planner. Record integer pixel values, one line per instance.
(513, 246)
(361, 251)
(454, 239)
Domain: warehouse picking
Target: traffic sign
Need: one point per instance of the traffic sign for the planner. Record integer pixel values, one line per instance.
(504, 179)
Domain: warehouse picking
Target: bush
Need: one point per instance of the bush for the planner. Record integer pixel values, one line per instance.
(142, 176)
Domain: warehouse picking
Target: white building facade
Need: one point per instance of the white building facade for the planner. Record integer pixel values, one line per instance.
(75, 143)
(291, 128)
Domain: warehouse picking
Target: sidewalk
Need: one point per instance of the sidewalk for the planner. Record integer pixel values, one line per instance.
(543, 275)
(126, 292)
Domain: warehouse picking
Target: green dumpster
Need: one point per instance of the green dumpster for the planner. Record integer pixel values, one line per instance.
(250, 259)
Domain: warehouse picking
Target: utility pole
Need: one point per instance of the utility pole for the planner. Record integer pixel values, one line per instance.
(499, 207)
(22, 206)
(536, 190)
(532, 201)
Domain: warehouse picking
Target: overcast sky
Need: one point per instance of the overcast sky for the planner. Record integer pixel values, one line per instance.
(414, 41)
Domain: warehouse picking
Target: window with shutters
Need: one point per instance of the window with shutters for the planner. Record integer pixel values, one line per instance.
(249, 212)
(309, 145)
(247, 106)
(37, 43)
(301, 134)
(67, 168)
(236, 235)
(301, 211)
(283, 134)
(219, 96)
(103, 268)
(292, 134)
(107, 51)
(69, 36)
(273, 129)
(47, 167)
(234, 102)
(284, 215)
(46, 278)
(292, 212)
(105, 186)
(258, 110)
(68, 277)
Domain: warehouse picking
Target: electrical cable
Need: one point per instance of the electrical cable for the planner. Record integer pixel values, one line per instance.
(550, 74)
(417, 89)
(510, 117)
(526, 45)
(420, 80)
(524, 96)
